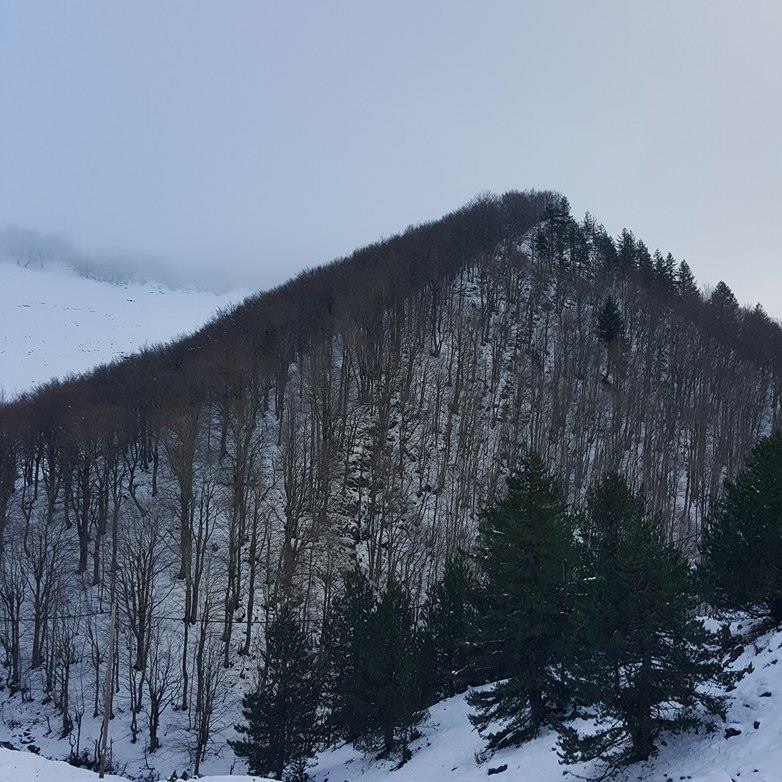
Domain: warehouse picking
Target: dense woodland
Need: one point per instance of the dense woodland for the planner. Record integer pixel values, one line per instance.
(363, 416)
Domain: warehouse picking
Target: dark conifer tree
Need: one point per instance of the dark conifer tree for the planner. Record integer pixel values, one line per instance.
(645, 265)
(610, 328)
(346, 650)
(686, 287)
(610, 324)
(605, 247)
(722, 297)
(665, 273)
(525, 550)
(558, 210)
(724, 308)
(638, 658)
(609, 508)
(390, 688)
(449, 622)
(626, 250)
(542, 244)
(580, 249)
(741, 567)
(281, 716)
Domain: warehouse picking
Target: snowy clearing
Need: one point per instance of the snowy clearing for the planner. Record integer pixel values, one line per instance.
(56, 323)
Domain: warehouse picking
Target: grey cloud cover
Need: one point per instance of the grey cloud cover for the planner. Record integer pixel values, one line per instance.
(242, 141)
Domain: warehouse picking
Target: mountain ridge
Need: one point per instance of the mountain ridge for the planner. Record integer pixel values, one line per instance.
(365, 413)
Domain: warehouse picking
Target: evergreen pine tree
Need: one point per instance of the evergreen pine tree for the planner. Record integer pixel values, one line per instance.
(723, 308)
(580, 248)
(626, 251)
(525, 547)
(610, 324)
(665, 273)
(449, 621)
(741, 566)
(645, 265)
(610, 327)
(686, 287)
(346, 650)
(282, 714)
(541, 244)
(605, 247)
(558, 210)
(390, 687)
(722, 298)
(609, 508)
(639, 658)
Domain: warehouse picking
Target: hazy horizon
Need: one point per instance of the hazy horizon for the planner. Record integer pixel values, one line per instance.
(242, 143)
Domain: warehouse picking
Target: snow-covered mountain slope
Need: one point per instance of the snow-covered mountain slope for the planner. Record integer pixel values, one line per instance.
(449, 748)
(54, 322)
(19, 766)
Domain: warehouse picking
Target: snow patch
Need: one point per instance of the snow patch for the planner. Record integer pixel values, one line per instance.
(56, 323)
(27, 767)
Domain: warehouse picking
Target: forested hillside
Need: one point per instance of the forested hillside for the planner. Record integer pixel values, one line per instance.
(366, 412)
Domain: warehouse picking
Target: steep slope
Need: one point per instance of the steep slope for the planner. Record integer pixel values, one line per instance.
(365, 412)
(450, 749)
(58, 323)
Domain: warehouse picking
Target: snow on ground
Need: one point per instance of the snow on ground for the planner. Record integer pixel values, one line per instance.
(449, 748)
(27, 767)
(33, 724)
(54, 322)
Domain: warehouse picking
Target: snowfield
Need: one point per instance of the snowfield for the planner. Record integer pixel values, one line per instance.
(449, 749)
(18, 766)
(56, 323)
(26, 767)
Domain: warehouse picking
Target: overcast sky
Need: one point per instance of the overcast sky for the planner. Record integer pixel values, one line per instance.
(252, 139)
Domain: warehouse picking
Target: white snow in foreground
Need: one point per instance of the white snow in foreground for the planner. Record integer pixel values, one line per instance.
(54, 322)
(449, 745)
(449, 748)
(27, 767)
